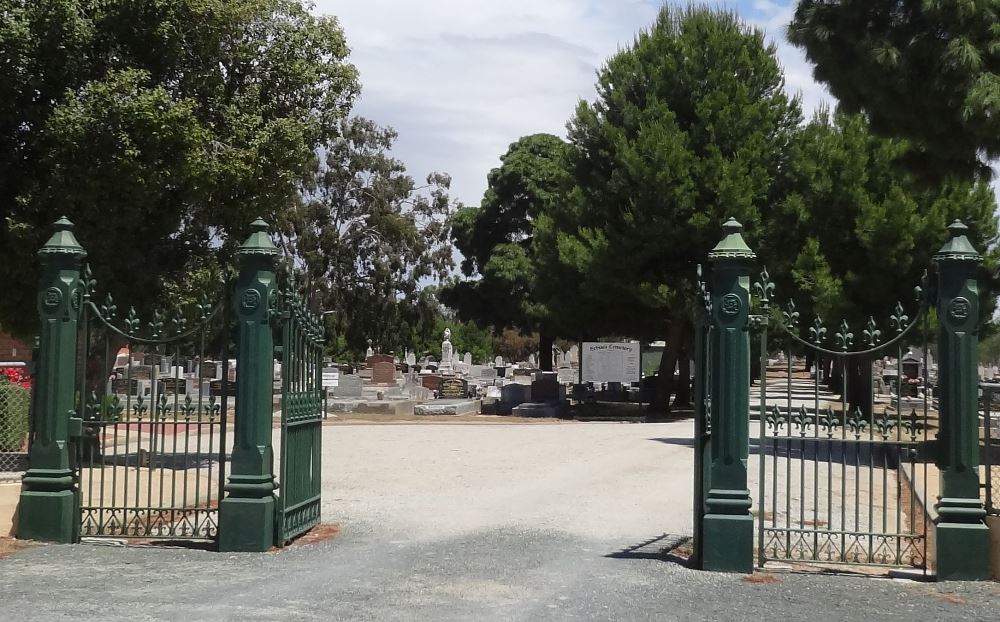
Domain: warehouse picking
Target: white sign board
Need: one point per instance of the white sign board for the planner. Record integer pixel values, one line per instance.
(331, 376)
(610, 362)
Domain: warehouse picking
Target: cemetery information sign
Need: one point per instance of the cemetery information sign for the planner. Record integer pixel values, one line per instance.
(610, 362)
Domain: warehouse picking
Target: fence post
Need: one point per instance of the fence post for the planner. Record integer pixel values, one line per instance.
(962, 538)
(49, 508)
(246, 515)
(727, 527)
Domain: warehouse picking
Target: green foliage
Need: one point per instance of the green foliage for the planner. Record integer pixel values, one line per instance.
(989, 350)
(160, 128)
(927, 71)
(690, 127)
(497, 237)
(14, 403)
(866, 228)
(363, 237)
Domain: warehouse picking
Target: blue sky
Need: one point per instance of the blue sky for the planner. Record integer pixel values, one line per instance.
(462, 79)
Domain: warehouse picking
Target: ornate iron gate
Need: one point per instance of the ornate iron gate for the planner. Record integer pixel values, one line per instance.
(841, 471)
(150, 439)
(301, 419)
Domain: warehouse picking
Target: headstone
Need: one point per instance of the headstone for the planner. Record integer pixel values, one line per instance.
(384, 372)
(370, 361)
(567, 375)
(514, 394)
(533, 360)
(453, 388)
(173, 386)
(369, 351)
(411, 359)
(546, 388)
(498, 362)
(125, 386)
(431, 381)
(140, 372)
(573, 356)
(467, 359)
(488, 373)
(348, 385)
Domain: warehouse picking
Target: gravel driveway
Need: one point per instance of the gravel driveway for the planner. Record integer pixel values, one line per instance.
(472, 522)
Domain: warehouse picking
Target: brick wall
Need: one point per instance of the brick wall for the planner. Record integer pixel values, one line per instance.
(12, 349)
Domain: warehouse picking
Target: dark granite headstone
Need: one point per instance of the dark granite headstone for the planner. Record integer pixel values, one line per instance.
(374, 359)
(453, 388)
(545, 389)
(173, 386)
(431, 381)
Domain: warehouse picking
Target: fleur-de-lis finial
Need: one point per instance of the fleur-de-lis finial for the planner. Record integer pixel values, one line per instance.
(845, 338)
(872, 334)
(109, 309)
(817, 332)
(791, 315)
(899, 320)
(765, 289)
(132, 322)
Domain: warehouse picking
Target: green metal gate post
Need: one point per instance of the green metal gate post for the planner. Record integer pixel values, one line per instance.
(246, 515)
(962, 539)
(727, 527)
(49, 503)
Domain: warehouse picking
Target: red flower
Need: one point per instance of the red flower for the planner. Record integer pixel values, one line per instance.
(17, 375)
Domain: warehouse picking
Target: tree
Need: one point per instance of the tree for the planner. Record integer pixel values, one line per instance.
(866, 229)
(160, 128)
(690, 127)
(924, 70)
(364, 237)
(497, 240)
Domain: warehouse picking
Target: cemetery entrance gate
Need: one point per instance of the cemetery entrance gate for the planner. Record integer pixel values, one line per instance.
(842, 467)
(142, 427)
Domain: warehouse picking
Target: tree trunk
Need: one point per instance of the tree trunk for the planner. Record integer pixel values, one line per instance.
(545, 342)
(668, 364)
(682, 393)
(859, 385)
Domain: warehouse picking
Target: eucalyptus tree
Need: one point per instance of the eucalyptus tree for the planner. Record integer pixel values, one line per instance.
(365, 239)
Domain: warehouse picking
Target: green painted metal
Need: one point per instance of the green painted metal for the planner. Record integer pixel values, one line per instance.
(837, 486)
(49, 499)
(301, 419)
(247, 514)
(702, 419)
(961, 536)
(151, 458)
(727, 525)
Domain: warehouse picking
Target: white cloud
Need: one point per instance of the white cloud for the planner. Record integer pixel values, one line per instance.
(462, 79)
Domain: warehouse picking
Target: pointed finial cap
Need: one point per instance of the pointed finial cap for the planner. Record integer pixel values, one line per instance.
(732, 246)
(958, 247)
(63, 242)
(259, 242)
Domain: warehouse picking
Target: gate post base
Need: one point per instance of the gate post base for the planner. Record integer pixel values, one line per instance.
(727, 543)
(48, 516)
(246, 525)
(963, 552)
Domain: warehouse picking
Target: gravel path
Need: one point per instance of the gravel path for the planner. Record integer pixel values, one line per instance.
(473, 522)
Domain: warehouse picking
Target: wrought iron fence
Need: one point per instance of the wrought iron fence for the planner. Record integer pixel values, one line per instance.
(989, 445)
(842, 472)
(152, 456)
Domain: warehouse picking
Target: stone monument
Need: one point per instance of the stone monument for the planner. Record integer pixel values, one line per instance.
(447, 352)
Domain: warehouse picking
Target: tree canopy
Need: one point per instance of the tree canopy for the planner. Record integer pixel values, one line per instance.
(497, 239)
(924, 70)
(160, 128)
(366, 240)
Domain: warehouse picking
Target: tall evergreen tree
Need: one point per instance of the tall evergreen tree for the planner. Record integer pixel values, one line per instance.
(924, 70)
(690, 127)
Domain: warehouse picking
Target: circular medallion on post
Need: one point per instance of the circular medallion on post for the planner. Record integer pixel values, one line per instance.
(52, 297)
(251, 300)
(731, 305)
(959, 309)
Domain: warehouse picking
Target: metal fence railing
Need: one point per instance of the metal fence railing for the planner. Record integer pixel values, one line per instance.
(989, 445)
(15, 406)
